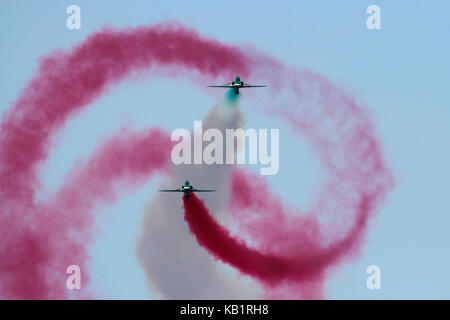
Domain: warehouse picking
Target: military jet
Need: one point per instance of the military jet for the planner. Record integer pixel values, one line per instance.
(236, 85)
(186, 188)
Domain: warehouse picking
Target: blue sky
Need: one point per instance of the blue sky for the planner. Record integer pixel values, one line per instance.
(401, 71)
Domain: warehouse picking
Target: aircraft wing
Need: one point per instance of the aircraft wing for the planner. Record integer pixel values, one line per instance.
(197, 190)
(250, 86)
(171, 190)
(226, 85)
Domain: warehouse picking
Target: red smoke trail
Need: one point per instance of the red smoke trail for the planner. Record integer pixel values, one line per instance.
(302, 247)
(287, 246)
(37, 248)
(39, 239)
(283, 231)
(267, 267)
(68, 81)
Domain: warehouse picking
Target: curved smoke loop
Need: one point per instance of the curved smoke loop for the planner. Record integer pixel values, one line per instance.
(41, 238)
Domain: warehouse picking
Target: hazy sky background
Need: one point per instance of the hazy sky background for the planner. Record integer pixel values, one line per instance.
(401, 71)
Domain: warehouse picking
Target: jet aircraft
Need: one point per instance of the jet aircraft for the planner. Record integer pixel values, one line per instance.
(237, 84)
(186, 188)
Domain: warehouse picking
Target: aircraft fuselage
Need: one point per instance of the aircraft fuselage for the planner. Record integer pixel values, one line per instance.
(186, 188)
(237, 83)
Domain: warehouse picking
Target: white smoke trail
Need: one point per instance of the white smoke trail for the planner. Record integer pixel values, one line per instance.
(174, 262)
